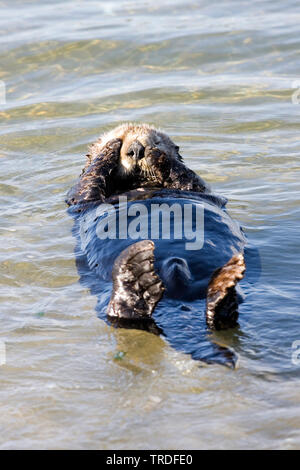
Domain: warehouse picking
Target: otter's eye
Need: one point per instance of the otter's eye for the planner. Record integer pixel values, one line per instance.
(130, 153)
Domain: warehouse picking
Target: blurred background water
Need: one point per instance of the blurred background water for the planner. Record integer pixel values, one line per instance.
(222, 79)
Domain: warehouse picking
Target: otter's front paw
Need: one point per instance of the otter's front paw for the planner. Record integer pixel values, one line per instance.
(158, 165)
(111, 149)
(93, 184)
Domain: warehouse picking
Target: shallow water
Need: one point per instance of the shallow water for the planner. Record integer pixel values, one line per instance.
(223, 82)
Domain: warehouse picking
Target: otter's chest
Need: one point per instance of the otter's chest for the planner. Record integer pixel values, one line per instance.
(196, 230)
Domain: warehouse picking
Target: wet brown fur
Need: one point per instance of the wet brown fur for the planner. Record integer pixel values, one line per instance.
(110, 171)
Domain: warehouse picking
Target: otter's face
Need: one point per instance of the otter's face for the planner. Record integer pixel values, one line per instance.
(140, 153)
(136, 146)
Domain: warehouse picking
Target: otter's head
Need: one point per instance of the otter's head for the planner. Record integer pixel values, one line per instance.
(137, 141)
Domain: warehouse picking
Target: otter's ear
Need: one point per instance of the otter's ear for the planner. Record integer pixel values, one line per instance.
(178, 155)
(94, 151)
(89, 159)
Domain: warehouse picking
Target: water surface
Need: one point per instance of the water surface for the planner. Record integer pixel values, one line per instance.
(222, 81)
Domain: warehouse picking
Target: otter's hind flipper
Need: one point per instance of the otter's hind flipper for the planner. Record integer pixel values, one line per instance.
(136, 286)
(221, 299)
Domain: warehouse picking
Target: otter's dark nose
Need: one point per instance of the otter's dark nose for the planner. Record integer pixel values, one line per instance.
(136, 150)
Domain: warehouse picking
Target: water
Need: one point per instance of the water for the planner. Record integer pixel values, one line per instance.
(223, 82)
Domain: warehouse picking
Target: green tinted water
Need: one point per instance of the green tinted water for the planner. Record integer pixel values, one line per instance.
(223, 82)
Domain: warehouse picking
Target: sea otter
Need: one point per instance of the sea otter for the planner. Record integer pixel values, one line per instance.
(151, 279)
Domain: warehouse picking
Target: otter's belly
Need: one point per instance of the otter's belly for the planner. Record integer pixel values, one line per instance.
(194, 229)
